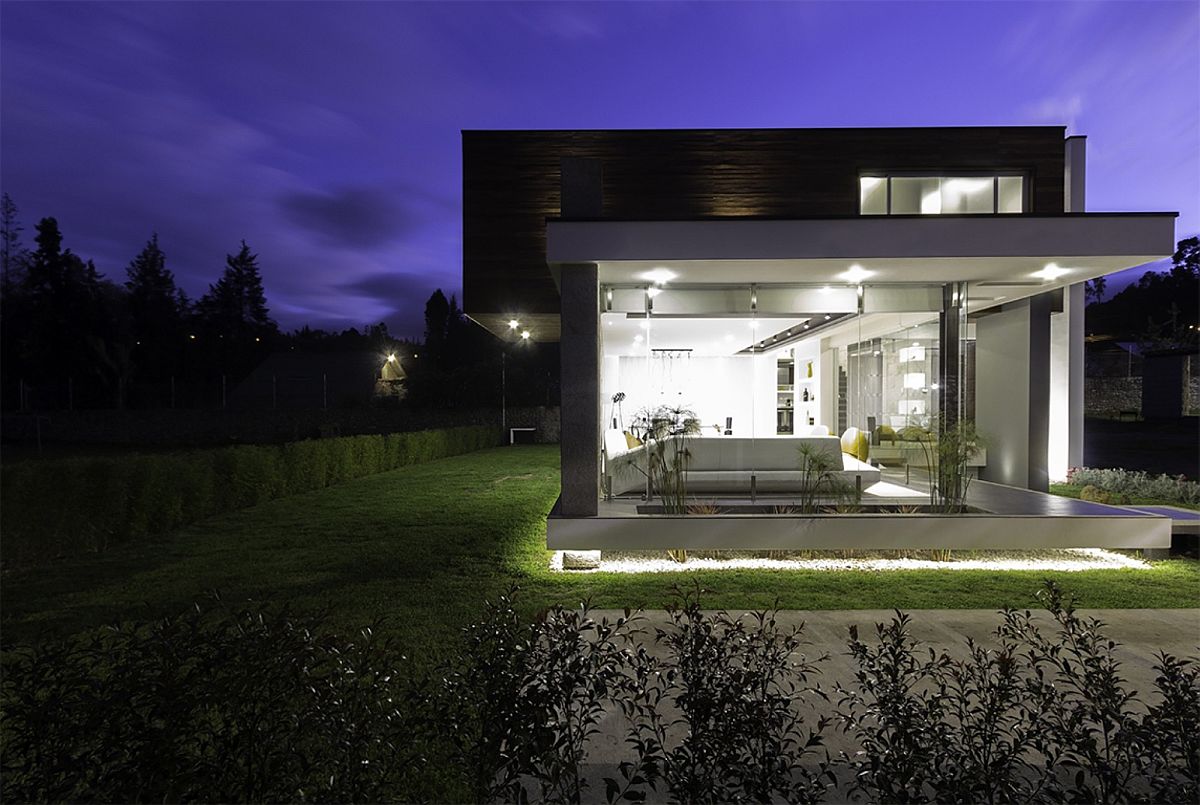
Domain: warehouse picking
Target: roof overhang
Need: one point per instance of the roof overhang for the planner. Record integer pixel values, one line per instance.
(1137, 235)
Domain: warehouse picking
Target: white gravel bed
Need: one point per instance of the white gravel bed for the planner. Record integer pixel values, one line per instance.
(1064, 560)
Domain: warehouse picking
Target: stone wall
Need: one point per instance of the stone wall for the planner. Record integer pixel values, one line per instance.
(1109, 396)
(204, 428)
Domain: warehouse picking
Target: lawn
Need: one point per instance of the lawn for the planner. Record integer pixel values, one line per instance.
(423, 546)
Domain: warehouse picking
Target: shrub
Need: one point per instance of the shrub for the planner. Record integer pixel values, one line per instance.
(71, 506)
(1165, 488)
(720, 718)
(519, 701)
(224, 706)
(1096, 495)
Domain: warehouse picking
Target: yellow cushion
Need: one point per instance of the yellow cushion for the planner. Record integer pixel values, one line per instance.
(862, 446)
(632, 441)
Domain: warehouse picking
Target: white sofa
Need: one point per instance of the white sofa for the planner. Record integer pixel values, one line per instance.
(726, 464)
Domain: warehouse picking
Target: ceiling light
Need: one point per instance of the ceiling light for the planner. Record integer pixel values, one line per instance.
(827, 317)
(729, 336)
(826, 289)
(753, 324)
(806, 327)
(658, 275)
(513, 324)
(1051, 272)
(653, 292)
(637, 339)
(855, 273)
(645, 325)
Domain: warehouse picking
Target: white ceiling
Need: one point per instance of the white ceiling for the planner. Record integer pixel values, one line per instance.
(704, 336)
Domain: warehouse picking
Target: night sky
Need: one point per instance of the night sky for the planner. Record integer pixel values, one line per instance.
(327, 135)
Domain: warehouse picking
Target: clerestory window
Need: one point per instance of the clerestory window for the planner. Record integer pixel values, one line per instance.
(910, 194)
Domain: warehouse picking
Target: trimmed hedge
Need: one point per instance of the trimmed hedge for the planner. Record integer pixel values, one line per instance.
(71, 506)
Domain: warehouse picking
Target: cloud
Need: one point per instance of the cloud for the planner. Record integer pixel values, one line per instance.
(1059, 110)
(348, 216)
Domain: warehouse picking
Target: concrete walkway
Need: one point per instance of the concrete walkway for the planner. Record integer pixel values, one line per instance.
(1142, 633)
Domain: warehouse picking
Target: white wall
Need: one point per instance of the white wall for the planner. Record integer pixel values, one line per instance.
(738, 386)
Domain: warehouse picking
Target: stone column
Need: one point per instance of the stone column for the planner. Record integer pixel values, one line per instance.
(580, 355)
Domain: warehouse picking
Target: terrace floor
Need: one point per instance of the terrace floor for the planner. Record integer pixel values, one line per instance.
(1002, 517)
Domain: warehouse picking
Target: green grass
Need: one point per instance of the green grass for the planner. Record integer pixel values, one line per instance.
(423, 547)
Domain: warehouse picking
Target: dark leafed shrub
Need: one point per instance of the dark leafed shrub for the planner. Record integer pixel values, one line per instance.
(248, 706)
(519, 701)
(59, 508)
(1092, 724)
(720, 718)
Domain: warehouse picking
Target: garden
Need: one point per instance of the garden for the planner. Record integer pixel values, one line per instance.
(190, 665)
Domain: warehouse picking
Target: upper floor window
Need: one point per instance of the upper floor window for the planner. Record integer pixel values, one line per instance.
(909, 194)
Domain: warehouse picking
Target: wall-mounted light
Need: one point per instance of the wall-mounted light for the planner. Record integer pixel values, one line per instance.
(513, 324)
(392, 358)
(525, 335)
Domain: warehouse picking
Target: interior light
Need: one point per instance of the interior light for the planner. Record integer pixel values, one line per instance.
(1051, 272)
(826, 289)
(806, 327)
(827, 317)
(753, 324)
(653, 292)
(637, 339)
(645, 325)
(855, 273)
(658, 275)
(513, 324)
(525, 334)
(729, 336)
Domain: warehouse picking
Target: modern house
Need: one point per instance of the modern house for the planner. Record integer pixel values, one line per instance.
(790, 287)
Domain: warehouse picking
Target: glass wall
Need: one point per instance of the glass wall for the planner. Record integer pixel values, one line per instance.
(750, 364)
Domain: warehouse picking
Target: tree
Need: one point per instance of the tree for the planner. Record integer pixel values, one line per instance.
(1095, 289)
(13, 255)
(235, 307)
(156, 310)
(1161, 310)
(437, 315)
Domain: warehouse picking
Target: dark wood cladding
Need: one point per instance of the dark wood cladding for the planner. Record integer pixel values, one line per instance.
(511, 184)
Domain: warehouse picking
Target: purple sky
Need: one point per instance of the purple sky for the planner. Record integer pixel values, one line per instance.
(327, 135)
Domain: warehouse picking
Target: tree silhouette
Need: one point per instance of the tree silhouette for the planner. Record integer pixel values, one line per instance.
(235, 307)
(157, 310)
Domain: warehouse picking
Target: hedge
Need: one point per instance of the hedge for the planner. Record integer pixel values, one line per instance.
(64, 507)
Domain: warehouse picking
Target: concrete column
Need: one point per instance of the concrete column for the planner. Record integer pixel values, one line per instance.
(1075, 174)
(1074, 200)
(1065, 447)
(1012, 391)
(580, 412)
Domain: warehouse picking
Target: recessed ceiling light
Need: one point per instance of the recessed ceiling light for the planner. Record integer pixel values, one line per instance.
(827, 317)
(637, 339)
(806, 327)
(1051, 272)
(855, 273)
(658, 275)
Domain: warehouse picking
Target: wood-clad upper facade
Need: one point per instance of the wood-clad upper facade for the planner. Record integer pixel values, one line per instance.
(511, 185)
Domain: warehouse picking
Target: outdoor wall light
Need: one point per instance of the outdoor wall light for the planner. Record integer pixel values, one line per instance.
(525, 335)
(513, 324)
(392, 358)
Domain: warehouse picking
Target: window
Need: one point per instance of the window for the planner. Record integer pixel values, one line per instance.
(941, 195)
